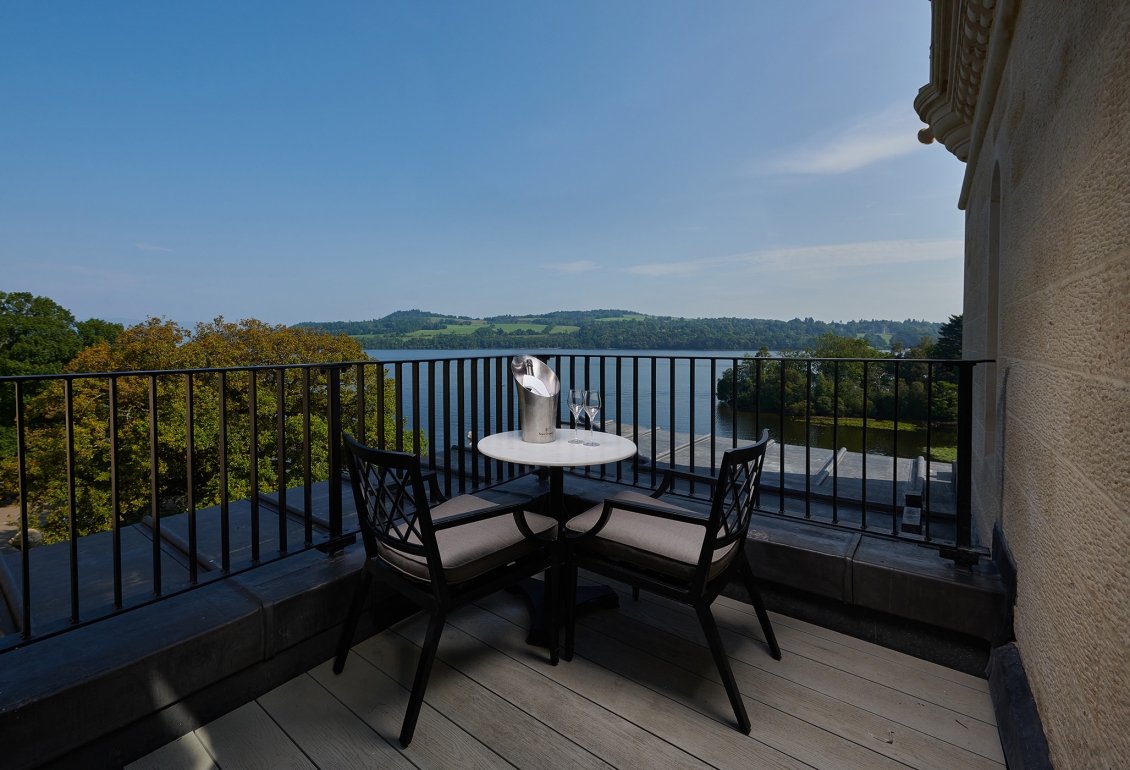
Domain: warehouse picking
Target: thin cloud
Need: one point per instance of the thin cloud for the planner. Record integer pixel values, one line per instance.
(569, 268)
(809, 257)
(151, 247)
(888, 134)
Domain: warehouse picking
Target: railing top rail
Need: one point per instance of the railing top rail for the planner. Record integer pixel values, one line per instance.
(377, 361)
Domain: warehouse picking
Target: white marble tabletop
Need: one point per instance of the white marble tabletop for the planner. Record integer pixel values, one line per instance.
(509, 447)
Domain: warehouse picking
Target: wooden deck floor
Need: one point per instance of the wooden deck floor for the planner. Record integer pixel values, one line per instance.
(641, 692)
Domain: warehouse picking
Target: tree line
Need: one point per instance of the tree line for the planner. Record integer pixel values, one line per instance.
(838, 388)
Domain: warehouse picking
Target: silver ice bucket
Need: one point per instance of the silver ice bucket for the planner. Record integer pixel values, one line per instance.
(538, 391)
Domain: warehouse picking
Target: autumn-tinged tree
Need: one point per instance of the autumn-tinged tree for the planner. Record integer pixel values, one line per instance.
(163, 345)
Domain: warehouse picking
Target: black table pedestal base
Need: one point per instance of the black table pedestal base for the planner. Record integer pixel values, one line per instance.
(587, 597)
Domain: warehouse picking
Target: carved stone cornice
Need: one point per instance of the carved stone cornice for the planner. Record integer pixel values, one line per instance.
(959, 47)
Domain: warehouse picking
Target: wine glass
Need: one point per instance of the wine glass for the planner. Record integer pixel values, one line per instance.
(592, 407)
(576, 404)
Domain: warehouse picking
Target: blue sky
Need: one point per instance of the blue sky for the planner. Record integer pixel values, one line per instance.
(334, 161)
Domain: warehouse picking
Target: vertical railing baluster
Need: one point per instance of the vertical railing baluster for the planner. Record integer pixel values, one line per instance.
(671, 397)
(756, 401)
(734, 406)
(781, 428)
(691, 364)
(459, 394)
(474, 423)
(713, 419)
(497, 360)
(334, 452)
(863, 473)
(654, 427)
(603, 405)
(154, 500)
(190, 477)
(25, 542)
(487, 474)
(636, 418)
(72, 500)
(808, 440)
(280, 451)
(432, 415)
(225, 529)
(447, 428)
(510, 422)
(929, 432)
(895, 461)
(836, 443)
(619, 413)
(964, 530)
(361, 435)
(253, 409)
(398, 416)
(416, 408)
(115, 494)
(307, 487)
(382, 440)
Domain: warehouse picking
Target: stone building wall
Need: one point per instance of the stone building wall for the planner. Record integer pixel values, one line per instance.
(1058, 476)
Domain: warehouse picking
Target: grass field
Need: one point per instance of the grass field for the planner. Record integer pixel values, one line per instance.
(629, 317)
(520, 327)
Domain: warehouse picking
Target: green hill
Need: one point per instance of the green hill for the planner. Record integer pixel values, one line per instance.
(613, 329)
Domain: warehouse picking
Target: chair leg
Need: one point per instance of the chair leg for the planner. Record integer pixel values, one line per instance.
(714, 639)
(423, 671)
(360, 594)
(636, 593)
(570, 610)
(759, 607)
(553, 592)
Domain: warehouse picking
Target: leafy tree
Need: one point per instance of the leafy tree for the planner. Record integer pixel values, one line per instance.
(949, 338)
(38, 336)
(838, 387)
(163, 345)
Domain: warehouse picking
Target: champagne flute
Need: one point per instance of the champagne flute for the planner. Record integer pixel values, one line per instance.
(576, 404)
(592, 407)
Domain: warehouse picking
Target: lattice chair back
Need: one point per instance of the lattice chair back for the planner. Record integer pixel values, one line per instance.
(736, 492)
(392, 506)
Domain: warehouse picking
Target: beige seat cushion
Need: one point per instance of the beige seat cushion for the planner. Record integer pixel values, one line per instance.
(663, 545)
(469, 550)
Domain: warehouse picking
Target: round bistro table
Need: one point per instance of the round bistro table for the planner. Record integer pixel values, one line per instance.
(558, 455)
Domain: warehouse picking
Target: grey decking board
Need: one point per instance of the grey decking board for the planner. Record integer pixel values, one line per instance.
(518, 737)
(910, 680)
(185, 753)
(700, 735)
(249, 739)
(379, 701)
(329, 734)
(751, 664)
(585, 722)
(657, 681)
(774, 685)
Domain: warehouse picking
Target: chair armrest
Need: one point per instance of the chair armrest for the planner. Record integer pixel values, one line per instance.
(433, 482)
(489, 513)
(670, 474)
(641, 508)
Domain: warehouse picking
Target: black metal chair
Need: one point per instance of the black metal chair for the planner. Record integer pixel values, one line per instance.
(442, 557)
(674, 552)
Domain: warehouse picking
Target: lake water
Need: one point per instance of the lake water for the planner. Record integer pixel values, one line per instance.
(701, 414)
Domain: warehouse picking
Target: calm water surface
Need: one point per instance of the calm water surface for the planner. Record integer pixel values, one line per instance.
(691, 390)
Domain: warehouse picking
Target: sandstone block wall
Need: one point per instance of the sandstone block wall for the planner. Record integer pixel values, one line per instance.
(1059, 478)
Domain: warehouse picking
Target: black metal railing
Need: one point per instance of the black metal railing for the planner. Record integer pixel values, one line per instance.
(190, 458)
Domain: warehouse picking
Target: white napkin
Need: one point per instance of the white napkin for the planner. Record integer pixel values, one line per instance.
(534, 385)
